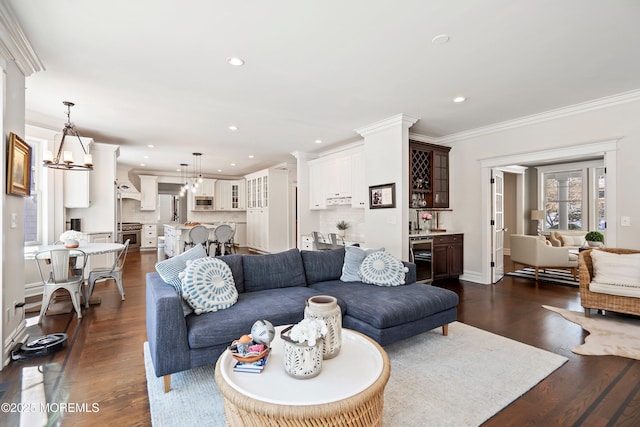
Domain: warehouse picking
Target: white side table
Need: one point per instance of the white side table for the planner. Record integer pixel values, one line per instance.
(348, 391)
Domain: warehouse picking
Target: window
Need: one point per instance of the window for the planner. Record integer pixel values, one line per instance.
(573, 196)
(32, 207)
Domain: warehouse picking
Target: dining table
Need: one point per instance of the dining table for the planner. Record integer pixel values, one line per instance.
(89, 248)
(86, 247)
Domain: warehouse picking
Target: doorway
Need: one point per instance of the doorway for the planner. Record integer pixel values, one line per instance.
(606, 149)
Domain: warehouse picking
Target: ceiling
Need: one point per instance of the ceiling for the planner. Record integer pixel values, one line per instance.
(147, 72)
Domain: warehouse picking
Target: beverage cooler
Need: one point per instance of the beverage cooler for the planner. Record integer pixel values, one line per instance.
(421, 253)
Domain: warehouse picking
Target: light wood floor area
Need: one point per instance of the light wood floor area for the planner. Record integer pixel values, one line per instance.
(103, 362)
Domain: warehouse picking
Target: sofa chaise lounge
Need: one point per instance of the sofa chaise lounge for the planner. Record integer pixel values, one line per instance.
(275, 287)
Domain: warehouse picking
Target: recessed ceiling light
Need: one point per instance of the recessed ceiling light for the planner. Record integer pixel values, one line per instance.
(232, 127)
(318, 141)
(219, 170)
(459, 99)
(145, 157)
(142, 164)
(235, 61)
(440, 39)
(251, 156)
(178, 170)
(233, 164)
(150, 145)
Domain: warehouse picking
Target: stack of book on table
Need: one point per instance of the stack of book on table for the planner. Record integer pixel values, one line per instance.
(253, 367)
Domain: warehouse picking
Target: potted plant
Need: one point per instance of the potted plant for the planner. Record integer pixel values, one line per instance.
(342, 226)
(595, 239)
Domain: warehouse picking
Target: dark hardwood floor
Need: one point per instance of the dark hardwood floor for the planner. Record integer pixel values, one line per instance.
(103, 361)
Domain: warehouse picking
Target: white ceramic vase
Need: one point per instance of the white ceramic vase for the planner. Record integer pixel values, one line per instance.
(301, 360)
(326, 308)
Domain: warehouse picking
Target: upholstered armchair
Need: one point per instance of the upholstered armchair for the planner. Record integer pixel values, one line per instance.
(574, 239)
(535, 252)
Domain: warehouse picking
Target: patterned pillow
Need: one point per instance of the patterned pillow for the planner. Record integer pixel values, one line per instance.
(171, 268)
(353, 257)
(208, 285)
(382, 269)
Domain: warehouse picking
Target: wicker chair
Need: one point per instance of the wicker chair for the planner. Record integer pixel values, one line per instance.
(599, 301)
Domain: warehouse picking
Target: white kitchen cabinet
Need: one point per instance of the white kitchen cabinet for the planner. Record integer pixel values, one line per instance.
(267, 210)
(148, 192)
(317, 185)
(230, 195)
(359, 196)
(76, 183)
(99, 261)
(149, 237)
(307, 243)
(206, 188)
(338, 173)
(338, 179)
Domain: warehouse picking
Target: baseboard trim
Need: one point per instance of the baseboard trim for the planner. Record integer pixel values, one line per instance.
(19, 335)
(473, 276)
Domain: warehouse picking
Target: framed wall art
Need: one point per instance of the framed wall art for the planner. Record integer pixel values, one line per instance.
(18, 167)
(382, 196)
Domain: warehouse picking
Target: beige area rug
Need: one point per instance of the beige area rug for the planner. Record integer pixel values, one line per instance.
(607, 336)
(459, 380)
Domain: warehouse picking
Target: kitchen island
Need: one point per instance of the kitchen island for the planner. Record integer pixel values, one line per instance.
(176, 234)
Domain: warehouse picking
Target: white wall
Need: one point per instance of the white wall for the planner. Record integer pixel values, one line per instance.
(12, 238)
(603, 124)
(386, 151)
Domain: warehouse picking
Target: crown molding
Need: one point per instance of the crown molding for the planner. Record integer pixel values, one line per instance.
(399, 119)
(423, 138)
(14, 44)
(571, 110)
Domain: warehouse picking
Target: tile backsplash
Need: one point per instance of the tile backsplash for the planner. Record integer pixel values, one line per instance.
(354, 217)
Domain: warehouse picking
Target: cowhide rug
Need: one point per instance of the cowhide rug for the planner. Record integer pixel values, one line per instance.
(607, 336)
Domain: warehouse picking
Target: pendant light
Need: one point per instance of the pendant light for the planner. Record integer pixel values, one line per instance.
(183, 177)
(64, 158)
(197, 171)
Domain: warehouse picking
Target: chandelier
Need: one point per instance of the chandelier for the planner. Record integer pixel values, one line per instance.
(64, 158)
(191, 183)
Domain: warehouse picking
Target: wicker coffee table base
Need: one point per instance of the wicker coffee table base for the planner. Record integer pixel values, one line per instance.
(362, 409)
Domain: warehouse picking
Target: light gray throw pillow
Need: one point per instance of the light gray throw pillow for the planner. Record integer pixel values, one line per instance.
(353, 257)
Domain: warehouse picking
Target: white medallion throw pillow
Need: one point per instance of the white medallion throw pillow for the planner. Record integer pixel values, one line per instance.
(382, 269)
(208, 285)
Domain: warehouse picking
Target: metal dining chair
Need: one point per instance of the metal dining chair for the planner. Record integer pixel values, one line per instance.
(114, 272)
(198, 234)
(223, 241)
(61, 269)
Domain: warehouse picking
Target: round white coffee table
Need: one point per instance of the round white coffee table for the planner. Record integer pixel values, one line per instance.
(348, 392)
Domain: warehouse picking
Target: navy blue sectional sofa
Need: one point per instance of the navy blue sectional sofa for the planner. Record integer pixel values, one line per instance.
(275, 287)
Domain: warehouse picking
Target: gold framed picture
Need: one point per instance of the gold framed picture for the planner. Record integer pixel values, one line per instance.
(18, 167)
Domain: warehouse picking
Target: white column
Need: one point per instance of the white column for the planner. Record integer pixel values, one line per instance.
(386, 152)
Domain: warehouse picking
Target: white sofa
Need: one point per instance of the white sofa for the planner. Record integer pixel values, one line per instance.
(570, 239)
(533, 251)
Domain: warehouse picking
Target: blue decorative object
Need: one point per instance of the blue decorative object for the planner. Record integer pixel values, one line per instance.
(208, 285)
(382, 269)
